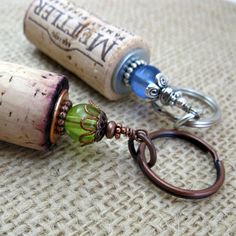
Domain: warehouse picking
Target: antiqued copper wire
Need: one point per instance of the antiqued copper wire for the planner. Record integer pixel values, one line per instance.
(90, 130)
(83, 124)
(89, 112)
(116, 130)
(122, 130)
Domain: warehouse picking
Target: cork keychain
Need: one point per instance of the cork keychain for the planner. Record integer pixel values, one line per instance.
(35, 110)
(111, 60)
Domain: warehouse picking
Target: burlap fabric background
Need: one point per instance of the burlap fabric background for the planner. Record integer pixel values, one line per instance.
(98, 189)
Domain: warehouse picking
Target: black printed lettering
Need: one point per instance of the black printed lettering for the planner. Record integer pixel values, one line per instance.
(47, 12)
(60, 14)
(62, 26)
(87, 34)
(38, 9)
(105, 48)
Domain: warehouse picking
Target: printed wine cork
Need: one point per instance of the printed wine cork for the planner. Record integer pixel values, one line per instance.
(27, 100)
(81, 42)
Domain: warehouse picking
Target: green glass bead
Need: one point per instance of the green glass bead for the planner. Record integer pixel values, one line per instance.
(81, 123)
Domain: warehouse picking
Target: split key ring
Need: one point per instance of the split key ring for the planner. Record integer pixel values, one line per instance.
(145, 166)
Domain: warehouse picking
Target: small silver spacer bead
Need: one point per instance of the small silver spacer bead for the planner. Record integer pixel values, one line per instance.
(127, 75)
(130, 67)
(134, 65)
(130, 70)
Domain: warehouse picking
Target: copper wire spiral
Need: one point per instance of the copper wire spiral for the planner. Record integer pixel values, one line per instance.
(126, 131)
(116, 130)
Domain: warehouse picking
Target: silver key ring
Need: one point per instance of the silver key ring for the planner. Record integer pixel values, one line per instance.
(189, 119)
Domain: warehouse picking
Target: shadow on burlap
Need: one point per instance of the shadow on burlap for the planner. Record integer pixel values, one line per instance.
(98, 189)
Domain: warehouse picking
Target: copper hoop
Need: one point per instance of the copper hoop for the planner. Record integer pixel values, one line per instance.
(139, 156)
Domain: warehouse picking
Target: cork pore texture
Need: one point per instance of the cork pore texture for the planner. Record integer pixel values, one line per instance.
(99, 189)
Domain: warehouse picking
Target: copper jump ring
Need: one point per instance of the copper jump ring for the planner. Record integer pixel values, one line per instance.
(145, 166)
(142, 137)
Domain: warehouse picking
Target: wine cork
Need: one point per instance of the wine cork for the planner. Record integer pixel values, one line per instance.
(27, 100)
(83, 43)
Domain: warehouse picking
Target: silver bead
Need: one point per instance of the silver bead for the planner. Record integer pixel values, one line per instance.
(130, 70)
(127, 75)
(161, 80)
(178, 94)
(143, 62)
(181, 102)
(134, 65)
(126, 81)
(152, 91)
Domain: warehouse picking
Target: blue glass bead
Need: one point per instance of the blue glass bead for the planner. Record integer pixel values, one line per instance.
(141, 78)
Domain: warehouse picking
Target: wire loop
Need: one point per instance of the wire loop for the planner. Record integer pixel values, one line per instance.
(140, 158)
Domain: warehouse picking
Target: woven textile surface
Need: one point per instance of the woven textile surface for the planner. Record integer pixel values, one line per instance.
(98, 189)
